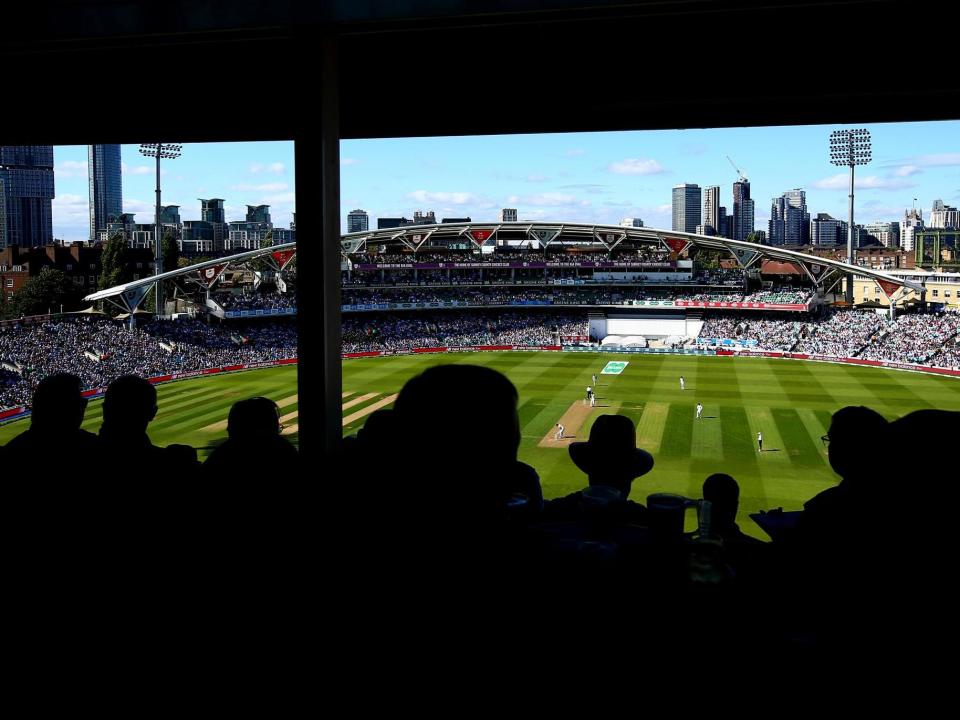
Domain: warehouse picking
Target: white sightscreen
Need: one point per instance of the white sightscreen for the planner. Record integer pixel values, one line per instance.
(656, 328)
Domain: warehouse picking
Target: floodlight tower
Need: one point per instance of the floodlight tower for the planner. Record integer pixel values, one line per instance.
(849, 148)
(167, 151)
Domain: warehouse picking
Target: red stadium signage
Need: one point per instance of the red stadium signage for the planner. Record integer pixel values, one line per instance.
(889, 288)
(209, 275)
(676, 245)
(282, 257)
(480, 236)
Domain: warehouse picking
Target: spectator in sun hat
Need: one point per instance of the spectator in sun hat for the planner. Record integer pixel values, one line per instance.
(611, 460)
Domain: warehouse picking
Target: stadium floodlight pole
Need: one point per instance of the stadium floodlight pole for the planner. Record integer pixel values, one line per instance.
(849, 148)
(168, 151)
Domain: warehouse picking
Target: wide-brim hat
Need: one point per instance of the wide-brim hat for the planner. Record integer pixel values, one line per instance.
(612, 448)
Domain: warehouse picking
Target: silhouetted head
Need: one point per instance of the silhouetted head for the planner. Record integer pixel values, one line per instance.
(58, 403)
(130, 404)
(463, 420)
(379, 430)
(457, 405)
(931, 431)
(253, 418)
(856, 433)
(611, 456)
(723, 492)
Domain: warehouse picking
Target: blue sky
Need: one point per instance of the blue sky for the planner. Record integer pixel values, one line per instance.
(241, 173)
(587, 177)
(603, 177)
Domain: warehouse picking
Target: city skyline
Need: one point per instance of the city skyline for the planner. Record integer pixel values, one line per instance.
(260, 173)
(576, 177)
(603, 177)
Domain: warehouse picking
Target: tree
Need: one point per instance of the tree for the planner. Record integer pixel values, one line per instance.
(114, 263)
(171, 252)
(43, 293)
(183, 262)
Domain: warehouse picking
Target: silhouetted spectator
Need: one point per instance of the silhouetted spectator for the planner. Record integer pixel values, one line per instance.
(743, 552)
(129, 406)
(255, 449)
(840, 512)
(723, 492)
(55, 443)
(840, 548)
(916, 536)
(611, 459)
(468, 415)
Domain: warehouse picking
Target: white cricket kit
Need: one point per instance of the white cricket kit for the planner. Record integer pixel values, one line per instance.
(681, 383)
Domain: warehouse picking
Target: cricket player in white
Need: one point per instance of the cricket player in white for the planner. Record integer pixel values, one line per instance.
(594, 379)
(560, 429)
(699, 410)
(589, 393)
(760, 441)
(682, 383)
(593, 399)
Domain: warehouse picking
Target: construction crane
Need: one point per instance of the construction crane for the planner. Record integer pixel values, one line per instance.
(743, 178)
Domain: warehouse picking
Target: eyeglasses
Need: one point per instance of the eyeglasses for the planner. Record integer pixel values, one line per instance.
(825, 439)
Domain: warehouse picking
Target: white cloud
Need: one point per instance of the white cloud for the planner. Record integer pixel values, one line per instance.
(536, 178)
(636, 166)
(575, 152)
(907, 170)
(348, 161)
(841, 181)
(938, 160)
(276, 168)
(278, 199)
(131, 205)
(453, 198)
(139, 170)
(71, 210)
(547, 199)
(879, 211)
(593, 188)
(70, 169)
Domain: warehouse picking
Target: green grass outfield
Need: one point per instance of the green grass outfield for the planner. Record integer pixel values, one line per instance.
(789, 401)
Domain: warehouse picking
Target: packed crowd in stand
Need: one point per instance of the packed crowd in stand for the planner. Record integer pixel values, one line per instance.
(778, 297)
(913, 338)
(771, 333)
(564, 295)
(97, 351)
(949, 356)
(405, 332)
(255, 301)
(842, 334)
